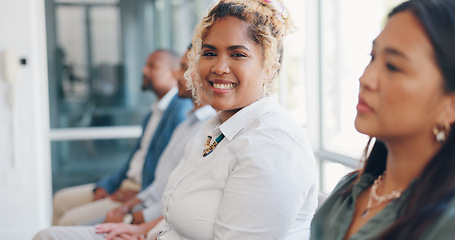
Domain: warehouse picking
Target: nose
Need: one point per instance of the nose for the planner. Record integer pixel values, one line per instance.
(220, 66)
(369, 79)
(144, 70)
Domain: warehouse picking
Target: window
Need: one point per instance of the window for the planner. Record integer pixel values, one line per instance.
(96, 52)
(347, 29)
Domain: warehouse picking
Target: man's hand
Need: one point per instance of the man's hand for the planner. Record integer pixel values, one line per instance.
(116, 215)
(123, 195)
(138, 217)
(100, 193)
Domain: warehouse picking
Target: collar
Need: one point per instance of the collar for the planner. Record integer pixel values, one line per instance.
(204, 113)
(200, 115)
(239, 120)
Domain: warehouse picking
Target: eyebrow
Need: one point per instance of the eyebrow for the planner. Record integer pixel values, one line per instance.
(208, 46)
(234, 47)
(395, 52)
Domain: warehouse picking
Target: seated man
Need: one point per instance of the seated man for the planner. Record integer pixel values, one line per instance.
(146, 205)
(82, 204)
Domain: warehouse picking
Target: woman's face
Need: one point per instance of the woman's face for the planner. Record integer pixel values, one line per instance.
(401, 90)
(230, 66)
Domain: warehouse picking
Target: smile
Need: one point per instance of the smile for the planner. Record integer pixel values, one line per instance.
(224, 85)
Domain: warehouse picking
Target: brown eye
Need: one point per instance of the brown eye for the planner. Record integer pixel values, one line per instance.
(392, 67)
(208, 54)
(238, 55)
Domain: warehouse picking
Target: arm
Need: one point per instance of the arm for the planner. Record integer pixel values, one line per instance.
(112, 182)
(99, 193)
(117, 214)
(123, 195)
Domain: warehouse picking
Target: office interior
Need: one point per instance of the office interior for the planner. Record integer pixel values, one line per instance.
(71, 103)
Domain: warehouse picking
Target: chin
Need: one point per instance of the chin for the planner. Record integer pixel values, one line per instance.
(361, 126)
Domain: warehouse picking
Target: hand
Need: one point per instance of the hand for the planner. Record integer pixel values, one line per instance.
(138, 217)
(125, 236)
(122, 231)
(123, 195)
(100, 193)
(116, 215)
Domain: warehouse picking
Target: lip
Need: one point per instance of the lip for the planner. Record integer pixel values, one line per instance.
(230, 86)
(363, 107)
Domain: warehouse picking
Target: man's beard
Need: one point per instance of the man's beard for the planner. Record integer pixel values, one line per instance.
(146, 85)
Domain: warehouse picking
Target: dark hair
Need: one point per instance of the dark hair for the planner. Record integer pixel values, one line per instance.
(436, 184)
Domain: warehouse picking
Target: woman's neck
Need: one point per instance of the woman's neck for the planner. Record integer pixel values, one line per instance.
(225, 115)
(406, 161)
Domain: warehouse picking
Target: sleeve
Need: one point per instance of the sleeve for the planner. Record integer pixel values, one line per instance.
(267, 188)
(151, 199)
(172, 117)
(152, 212)
(112, 182)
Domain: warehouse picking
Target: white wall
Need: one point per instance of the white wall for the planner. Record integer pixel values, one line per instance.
(25, 175)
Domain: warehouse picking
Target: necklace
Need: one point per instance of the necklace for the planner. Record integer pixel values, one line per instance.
(375, 200)
(208, 148)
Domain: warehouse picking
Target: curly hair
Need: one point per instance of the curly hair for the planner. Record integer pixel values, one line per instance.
(266, 28)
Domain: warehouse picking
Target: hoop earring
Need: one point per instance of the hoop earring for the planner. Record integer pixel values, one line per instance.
(441, 132)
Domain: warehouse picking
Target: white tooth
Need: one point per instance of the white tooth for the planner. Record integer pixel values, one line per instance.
(224, 86)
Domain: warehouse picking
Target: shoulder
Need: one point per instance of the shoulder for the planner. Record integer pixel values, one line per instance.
(278, 124)
(178, 102)
(345, 182)
(274, 141)
(179, 107)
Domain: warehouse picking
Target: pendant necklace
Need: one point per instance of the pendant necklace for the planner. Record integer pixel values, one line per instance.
(208, 148)
(375, 200)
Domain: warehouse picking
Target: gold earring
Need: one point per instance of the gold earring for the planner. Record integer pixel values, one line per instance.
(441, 132)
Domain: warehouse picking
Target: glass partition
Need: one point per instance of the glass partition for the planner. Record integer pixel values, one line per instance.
(96, 52)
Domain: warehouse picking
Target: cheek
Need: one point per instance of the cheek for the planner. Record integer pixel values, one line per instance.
(409, 105)
(202, 69)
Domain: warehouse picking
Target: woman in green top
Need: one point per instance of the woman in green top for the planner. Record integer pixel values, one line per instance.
(406, 190)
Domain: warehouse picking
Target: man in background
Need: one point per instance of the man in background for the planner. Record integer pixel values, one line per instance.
(146, 206)
(82, 204)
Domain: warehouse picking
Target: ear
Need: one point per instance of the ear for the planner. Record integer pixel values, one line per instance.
(449, 111)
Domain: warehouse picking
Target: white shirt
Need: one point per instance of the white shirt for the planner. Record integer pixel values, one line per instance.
(137, 161)
(151, 196)
(260, 182)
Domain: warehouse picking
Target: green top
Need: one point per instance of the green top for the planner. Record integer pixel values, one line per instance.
(334, 217)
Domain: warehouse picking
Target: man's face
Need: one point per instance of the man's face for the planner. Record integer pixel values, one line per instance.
(184, 92)
(157, 73)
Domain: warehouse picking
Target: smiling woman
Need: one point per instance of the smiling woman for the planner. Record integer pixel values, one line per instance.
(250, 173)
